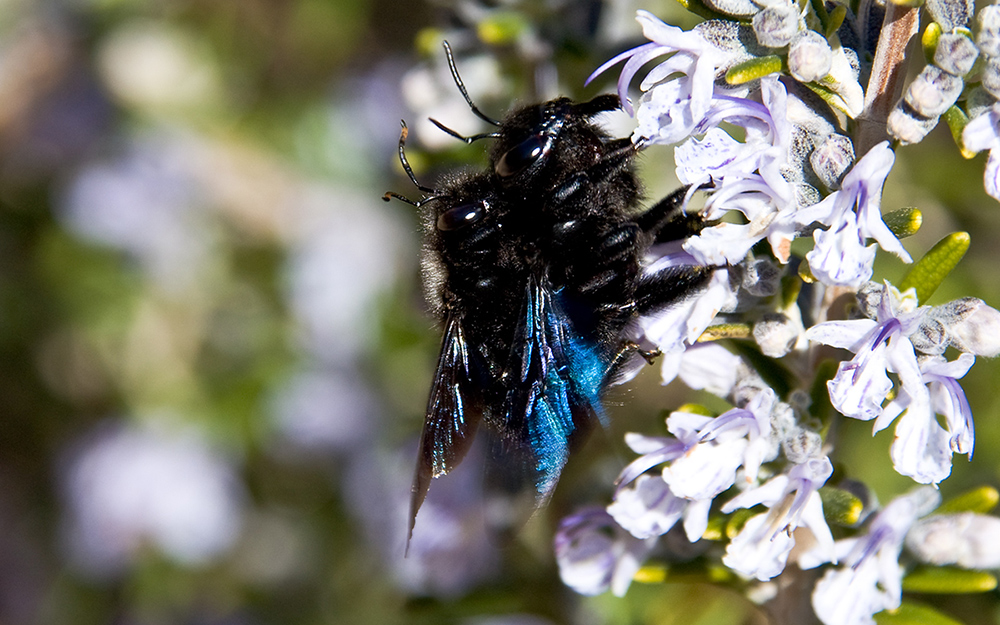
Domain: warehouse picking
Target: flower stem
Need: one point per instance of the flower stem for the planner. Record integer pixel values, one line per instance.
(888, 71)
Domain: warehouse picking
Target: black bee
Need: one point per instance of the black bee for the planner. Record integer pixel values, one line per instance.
(534, 268)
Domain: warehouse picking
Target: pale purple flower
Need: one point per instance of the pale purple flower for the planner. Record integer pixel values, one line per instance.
(983, 133)
(852, 213)
(968, 540)
(595, 554)
(703, 366)
(674, 328)
(922, 448)
(870, 579)
(677, 92)
(881, 345)
(129, 485)
(761, 548)
(716, 448)
(647, 509)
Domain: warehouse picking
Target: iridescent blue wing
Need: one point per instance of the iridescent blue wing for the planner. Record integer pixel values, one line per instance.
(554, 388)
(454, 411)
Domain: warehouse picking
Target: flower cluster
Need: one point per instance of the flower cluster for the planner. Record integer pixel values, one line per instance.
(777, 164)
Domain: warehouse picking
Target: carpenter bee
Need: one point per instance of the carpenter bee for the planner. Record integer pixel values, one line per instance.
(534, 268)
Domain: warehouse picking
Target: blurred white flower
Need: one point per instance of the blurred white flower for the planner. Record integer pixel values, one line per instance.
(345, 251)
(147, 202)
(128, 486)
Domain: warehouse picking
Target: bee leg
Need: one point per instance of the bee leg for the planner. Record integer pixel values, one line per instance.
(667, 221)
(600, 104)
(670, 286)
(649, 355)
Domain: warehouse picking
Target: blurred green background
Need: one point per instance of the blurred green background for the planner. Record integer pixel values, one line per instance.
(214, 355)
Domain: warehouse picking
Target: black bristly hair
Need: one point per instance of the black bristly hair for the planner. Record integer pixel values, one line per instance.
(533, 267)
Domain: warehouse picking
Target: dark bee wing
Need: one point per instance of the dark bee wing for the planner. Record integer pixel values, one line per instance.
(554, 393)
(454, 410)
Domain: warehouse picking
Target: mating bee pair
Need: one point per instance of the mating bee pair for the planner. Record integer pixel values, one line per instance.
(534, 269)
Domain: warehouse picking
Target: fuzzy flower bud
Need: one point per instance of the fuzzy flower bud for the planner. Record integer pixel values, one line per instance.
(909, 126)
(955, 54)
(967, 539)
(933, 91)
(775, 334)
(971, 325)
(991, 77)
(831, 160)
(988, 38)
(810, 56)
(761, 278)
(776, 25)
(951, 14)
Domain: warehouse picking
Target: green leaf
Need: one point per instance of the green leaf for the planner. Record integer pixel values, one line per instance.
(773, 371)
(957, 120)
(929, 40)
(914, 614)
(948, 580)
(904, 222)
(980, 500)
(502, 27)
(698, 8)
(836, 19)
(737, 521)
(930, 271)
(754, 68)
(840, 506)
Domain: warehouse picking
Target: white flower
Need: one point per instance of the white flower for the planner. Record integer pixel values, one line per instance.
(594, 554)
(852, 213)
(677, 92)
(967, 539)
(983, 133)
(922, 448)
(648, 508)
(678, 326)
(131, 485)
(761, 548)
(880, 345)
(869, 580)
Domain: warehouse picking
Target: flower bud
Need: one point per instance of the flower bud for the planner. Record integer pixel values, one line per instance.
(776, 25)
(991, 77)
(802, 446)
(951, 14)
(955, 54)
(907, 125)
(761, 278)
(972, 326)
(831, 160)
(967, 539)
(734, 8)
(810, 56)
(775, 334)
(933, 91)
(988, 38)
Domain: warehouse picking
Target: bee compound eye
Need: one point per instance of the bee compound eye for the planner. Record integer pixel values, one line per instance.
(461, 215)
(521, 156)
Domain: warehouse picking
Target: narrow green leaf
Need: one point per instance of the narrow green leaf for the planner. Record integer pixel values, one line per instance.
(930, 271)
(502, 27)
(948, 581)
(820, 407)
(840, 506)
(980, 500)
(956, 120)
(929, 40)
(726, 331)
(904, 222)
(737, 521)
(652, 574)
(698, 8)
(754, 68)
(836, 19)
(914, 614)
(773, 371)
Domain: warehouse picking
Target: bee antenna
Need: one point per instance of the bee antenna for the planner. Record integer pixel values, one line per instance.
(485, 135)
(406, 164)
(465, 93)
